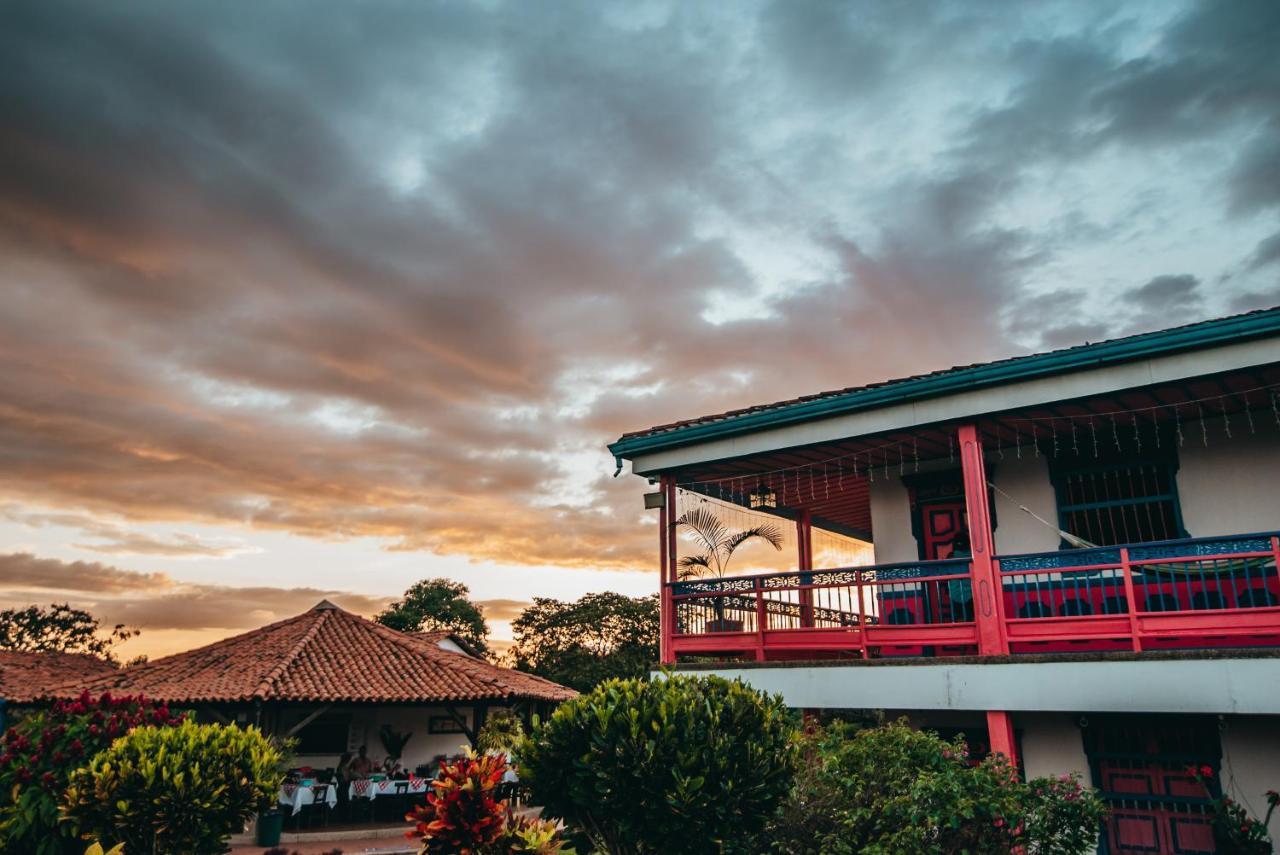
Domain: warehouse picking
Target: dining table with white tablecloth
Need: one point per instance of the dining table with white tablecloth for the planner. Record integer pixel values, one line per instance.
(296, 796)
(368, 788)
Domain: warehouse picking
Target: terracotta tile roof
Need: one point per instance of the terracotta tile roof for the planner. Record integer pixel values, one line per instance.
(24, 676)
(731, 415)
(325, 654)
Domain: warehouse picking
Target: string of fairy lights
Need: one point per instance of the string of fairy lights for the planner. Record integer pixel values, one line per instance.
(830, 549)
(1143, 428)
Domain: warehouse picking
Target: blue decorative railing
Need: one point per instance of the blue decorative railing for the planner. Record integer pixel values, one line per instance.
(1210, 585)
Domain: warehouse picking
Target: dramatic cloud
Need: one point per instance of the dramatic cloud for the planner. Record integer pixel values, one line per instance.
(399, 271)
(1166, 293)
(154, 601)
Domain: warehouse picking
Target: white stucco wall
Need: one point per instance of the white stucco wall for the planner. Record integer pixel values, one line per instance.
(1230, 486)
(1026, 480)
(891, 522)
(421, 748)
(1052, 745)
(1251, 763)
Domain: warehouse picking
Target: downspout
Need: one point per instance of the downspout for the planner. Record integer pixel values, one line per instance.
(618, 471)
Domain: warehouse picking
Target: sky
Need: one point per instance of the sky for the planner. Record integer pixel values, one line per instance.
(304, 300)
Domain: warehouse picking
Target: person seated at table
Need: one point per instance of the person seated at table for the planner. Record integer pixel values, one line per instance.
(343, 773)
(362, 766)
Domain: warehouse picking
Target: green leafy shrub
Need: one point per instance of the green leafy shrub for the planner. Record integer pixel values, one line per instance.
(683, 764)
(893, 790)
(1061, 816)
(502, 732)
(463, 814)
(174, 789)
(40, 753)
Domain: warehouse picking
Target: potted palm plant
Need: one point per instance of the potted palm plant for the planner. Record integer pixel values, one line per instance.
(718, 543)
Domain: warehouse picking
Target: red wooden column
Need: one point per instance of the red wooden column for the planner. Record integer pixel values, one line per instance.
(804, 548)
(988, 597)
(667, 567)
(1000, 732)
(988, 601)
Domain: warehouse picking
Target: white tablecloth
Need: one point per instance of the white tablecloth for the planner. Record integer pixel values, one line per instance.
(373, 789)
(296, 796)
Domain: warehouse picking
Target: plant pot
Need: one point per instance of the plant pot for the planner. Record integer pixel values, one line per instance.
(270, 824)
(724, 625)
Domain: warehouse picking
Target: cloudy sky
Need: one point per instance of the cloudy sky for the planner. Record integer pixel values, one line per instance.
(302, 299)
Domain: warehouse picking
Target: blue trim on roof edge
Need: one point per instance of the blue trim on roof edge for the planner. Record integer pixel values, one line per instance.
(1192, 337)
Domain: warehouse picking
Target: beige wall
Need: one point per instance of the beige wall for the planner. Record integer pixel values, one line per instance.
(891, 522)
(1251, 763)
(1026, 480)
(421, 748)
(1052, 745)
(1230, 486)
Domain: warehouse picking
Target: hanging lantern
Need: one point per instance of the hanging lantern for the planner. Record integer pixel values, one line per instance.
(762, 496)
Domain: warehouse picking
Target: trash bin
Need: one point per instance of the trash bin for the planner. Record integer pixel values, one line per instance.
(270, 824)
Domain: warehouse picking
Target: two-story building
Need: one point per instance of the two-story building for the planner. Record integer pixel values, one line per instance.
(1071, 557)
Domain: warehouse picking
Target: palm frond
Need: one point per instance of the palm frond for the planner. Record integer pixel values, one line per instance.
(693, 566)
(768, 532)
(706, 525)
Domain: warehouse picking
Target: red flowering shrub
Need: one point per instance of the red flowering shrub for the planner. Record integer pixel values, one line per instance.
(38, 755)
(463, 814)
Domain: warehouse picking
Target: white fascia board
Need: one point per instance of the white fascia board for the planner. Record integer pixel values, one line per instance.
(1218, 686)
(1028, 393)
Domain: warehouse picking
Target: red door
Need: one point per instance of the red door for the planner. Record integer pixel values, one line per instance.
(1142, 821)
(941, 524)
(1157, 806)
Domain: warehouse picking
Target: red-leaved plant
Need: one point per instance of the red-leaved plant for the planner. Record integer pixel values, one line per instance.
(38, 755)
(464, 815)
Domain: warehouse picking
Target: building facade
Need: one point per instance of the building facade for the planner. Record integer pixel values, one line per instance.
(1070, 557)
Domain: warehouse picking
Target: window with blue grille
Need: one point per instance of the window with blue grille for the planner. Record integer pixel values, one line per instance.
(1119, 501)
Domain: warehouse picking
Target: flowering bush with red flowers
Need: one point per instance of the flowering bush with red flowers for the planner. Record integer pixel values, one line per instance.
(38, 755)
(464, 815)
(1234, 830)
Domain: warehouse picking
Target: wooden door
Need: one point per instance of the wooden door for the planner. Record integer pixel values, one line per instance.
(1141, 765)
(942, 523)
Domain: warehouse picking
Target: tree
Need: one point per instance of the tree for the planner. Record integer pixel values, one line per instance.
(718, 543)
(439, 604)
(59, 629)
(579, 644)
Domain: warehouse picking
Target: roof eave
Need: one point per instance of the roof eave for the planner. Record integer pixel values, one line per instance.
(1199, 336)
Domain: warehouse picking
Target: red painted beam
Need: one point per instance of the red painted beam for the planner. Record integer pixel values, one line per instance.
(667, 552)
(1000, 732)
(987, 592)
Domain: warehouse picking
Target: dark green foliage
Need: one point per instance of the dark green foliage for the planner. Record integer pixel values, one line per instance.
(579, 644)
(175, 789)
(60, 629)
(893, 790)
(39, 755)
(681, 764)
(439, 604)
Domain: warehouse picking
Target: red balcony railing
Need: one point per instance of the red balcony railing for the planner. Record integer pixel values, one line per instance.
(1208, 592)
